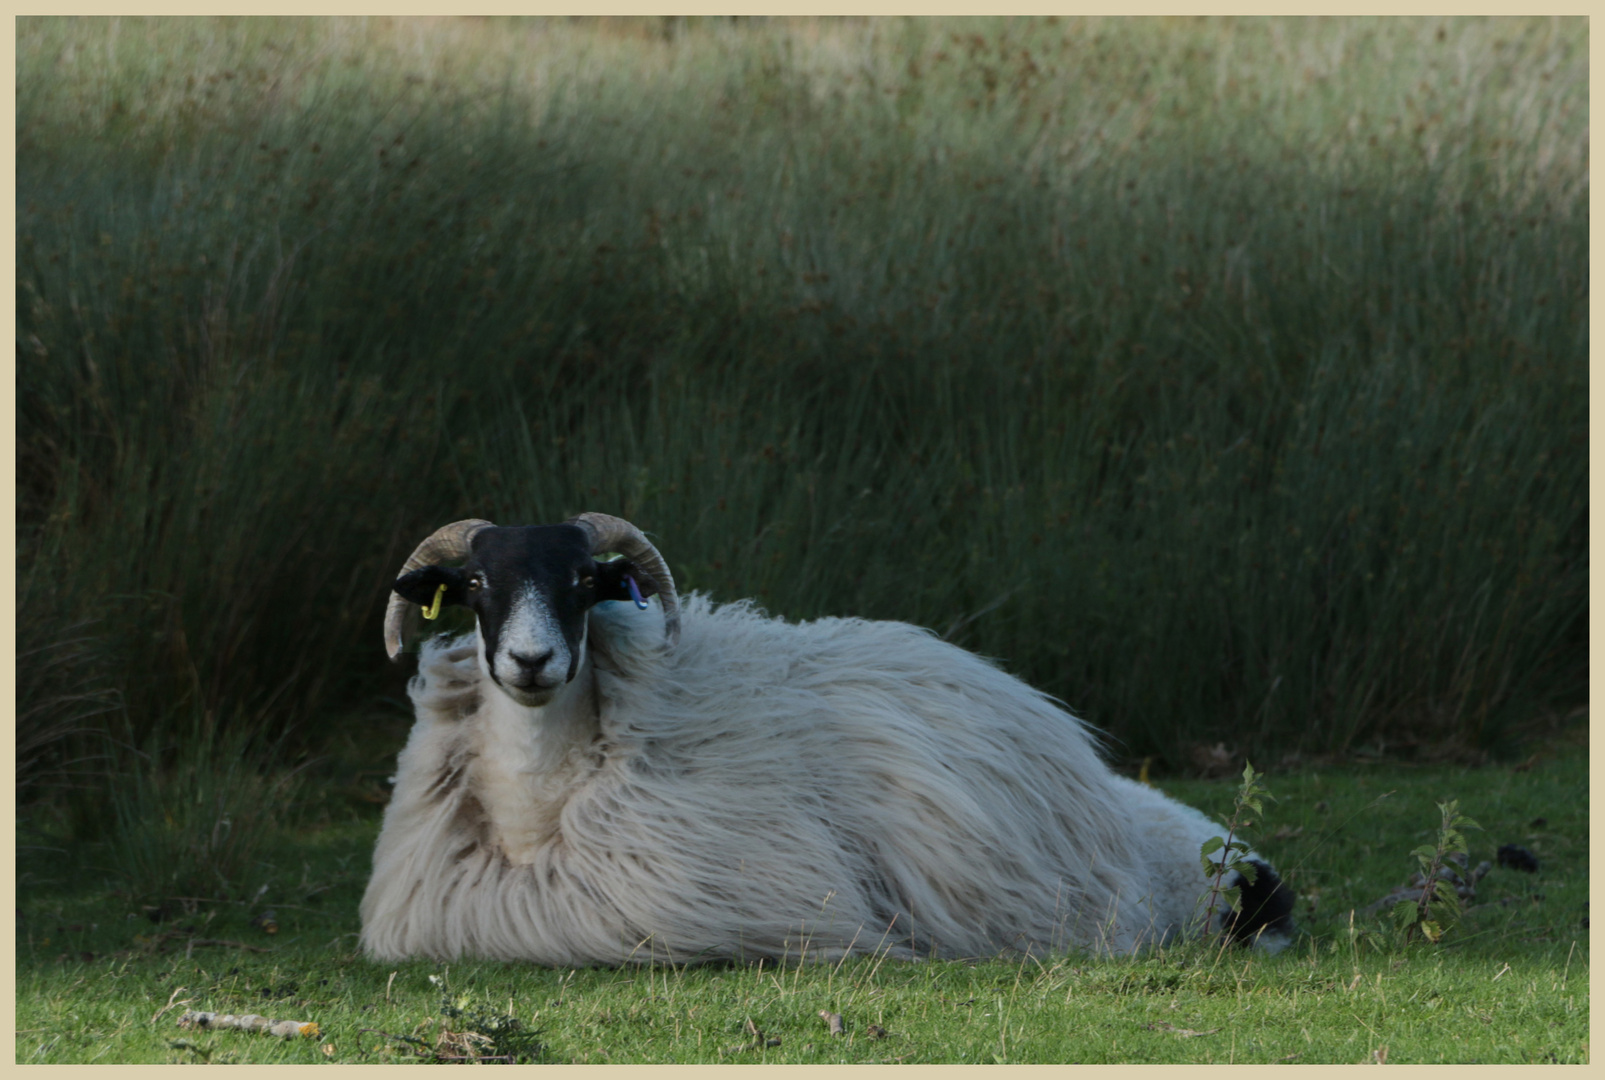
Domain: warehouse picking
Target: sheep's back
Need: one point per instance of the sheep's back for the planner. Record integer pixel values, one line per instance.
(866, 773)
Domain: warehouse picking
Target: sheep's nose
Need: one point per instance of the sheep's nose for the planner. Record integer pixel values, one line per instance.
(529, 668)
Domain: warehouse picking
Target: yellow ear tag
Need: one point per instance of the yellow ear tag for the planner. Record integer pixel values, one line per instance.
(433, 610)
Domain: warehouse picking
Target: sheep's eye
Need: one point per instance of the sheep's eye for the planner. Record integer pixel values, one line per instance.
(588, 582)
(474, 584)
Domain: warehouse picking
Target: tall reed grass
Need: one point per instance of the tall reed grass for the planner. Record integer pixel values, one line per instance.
(1224, 378)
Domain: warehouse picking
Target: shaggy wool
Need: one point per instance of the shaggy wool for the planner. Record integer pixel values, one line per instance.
(766, 789)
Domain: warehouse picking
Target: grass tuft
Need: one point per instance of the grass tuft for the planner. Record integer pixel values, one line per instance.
(192, 823)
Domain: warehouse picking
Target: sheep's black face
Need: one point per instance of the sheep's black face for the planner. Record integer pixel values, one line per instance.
(530, 588)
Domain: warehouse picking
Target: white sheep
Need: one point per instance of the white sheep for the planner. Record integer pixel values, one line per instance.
(587, 783)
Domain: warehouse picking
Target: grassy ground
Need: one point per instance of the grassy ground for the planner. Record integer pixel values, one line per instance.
(1510, 983)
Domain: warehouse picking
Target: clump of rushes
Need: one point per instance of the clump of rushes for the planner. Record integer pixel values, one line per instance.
(1233, 851)
(1182, 380)
(1435, 910)
(190, 822)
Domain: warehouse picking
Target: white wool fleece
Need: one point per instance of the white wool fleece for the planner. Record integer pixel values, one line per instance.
(765, 789)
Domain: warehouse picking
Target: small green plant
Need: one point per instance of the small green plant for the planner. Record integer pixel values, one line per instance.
(1435, 910)
(1233, 851)
(477, 1033)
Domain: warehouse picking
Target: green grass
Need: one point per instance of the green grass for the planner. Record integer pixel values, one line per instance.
(1226, 379)
(1510, 984)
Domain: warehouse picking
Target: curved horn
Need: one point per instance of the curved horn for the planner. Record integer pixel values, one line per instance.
(448, 542)
(609, 533)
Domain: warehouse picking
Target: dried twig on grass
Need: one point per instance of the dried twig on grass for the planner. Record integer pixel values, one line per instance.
(172, 1001)
(468, 1041)
(284, 1029)
(411, 1042)
(758, 1041)
(467, 1045)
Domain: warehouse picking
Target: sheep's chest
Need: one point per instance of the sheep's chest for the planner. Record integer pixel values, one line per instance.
(526, 766)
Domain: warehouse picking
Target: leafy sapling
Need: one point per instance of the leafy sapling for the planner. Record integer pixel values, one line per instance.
(1221, 856)
(1435, 910)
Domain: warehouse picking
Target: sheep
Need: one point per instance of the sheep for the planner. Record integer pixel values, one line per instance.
(593, 779)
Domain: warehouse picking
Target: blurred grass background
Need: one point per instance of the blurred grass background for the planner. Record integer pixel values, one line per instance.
(1224, 378)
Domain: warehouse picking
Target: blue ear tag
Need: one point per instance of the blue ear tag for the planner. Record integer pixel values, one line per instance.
(635, 592)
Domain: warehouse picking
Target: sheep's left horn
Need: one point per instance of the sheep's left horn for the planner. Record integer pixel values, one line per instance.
(609, 533)
(448, 542)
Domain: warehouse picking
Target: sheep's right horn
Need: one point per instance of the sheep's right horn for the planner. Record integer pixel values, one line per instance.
(448, 542)
(610, 533)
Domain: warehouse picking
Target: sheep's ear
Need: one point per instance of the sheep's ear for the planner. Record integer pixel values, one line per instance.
(610, 581)
(421, 585)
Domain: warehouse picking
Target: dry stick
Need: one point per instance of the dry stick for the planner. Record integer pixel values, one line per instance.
(171, 1002)
(758, 1040)
(847, 952)
(882, 958)
(417, 1045)
(285, 1029)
